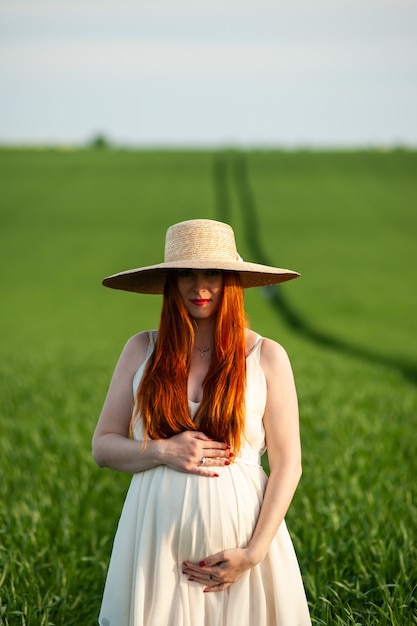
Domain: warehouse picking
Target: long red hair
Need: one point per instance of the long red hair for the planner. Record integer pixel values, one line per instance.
(161, 399)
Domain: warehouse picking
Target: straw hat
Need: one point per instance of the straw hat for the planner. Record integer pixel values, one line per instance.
(198, 244)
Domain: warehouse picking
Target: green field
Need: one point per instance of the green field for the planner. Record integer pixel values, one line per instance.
(347, 221)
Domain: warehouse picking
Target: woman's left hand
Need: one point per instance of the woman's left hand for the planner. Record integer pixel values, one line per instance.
(219, 571)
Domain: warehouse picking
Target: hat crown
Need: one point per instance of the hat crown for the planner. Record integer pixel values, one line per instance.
(200, 239)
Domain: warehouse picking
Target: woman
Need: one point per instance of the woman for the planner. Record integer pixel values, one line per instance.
(202, 539)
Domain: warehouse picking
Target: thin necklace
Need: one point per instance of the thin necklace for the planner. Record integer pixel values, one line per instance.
(202, 352)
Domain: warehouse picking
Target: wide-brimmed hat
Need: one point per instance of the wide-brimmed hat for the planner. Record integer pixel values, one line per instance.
(198, 244)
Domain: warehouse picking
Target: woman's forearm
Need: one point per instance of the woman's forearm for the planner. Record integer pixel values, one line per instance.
(279, 493)
(182, 452)
(126, 455)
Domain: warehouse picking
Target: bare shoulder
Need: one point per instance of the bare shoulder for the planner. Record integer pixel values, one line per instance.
(274, 358)
(140, 341)
(134, 352)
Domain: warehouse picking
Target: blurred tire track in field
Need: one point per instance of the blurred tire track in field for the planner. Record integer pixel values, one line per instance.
(232, 167)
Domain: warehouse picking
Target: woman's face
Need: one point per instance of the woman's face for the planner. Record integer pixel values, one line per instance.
(201, 291)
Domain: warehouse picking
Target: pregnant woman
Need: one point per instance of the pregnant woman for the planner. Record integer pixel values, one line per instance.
(191, 407)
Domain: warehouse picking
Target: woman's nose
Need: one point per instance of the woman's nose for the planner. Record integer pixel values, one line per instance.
(199, 282)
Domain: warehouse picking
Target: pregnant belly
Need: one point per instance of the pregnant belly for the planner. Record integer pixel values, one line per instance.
(192, 516)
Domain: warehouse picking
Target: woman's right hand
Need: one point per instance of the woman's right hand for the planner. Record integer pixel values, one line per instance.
(186, 451)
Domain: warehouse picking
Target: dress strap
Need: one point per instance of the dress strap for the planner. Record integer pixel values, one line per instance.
(153, 334)
(255, 350)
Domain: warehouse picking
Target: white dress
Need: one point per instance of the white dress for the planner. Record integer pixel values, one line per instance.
(170, 517)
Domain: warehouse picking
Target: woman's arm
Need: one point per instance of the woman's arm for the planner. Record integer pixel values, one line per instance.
(111, 445)
(281, 422)
(284, 454)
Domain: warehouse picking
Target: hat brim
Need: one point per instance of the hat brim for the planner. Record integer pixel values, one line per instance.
(151, 279)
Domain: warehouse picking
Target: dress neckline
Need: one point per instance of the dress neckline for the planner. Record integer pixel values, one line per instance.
(258, 341)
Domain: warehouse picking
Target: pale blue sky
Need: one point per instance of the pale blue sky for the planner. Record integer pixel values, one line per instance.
(253, 72)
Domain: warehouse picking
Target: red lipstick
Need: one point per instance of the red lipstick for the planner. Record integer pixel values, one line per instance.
(200, 302)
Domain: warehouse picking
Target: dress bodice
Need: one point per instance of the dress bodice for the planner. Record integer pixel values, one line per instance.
(255, 401)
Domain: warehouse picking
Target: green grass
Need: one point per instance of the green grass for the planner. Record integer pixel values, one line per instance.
(348, 222)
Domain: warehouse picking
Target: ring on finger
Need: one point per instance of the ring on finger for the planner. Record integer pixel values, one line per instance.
(203, 460)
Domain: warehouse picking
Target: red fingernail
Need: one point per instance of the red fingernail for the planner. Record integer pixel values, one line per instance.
(227, 462)
(202, 564)
(216, 475)
(228, 446)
